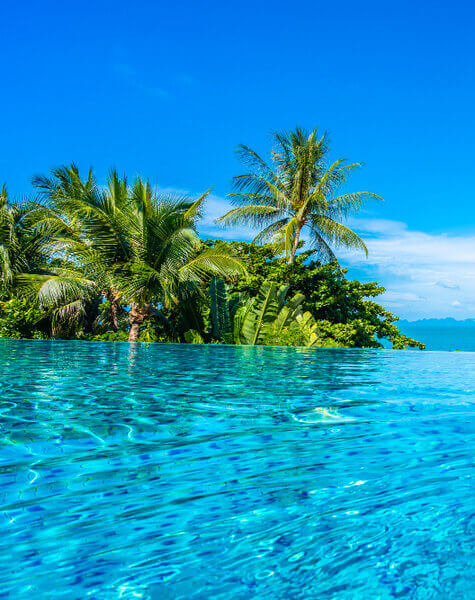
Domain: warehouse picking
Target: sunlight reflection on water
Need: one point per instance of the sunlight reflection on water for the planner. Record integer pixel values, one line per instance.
(168, 471)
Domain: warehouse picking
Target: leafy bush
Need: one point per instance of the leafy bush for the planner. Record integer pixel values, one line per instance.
(111, 336)
(19, 318)
(344, 309)
(292, 335)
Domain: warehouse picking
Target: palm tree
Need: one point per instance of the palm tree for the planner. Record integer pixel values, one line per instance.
(167, 264)
(27, 266)
(22, 246)
(299, 189)
(90, 232)
(138, 247)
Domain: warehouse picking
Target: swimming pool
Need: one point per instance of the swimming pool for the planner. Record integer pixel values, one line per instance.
(197, 472)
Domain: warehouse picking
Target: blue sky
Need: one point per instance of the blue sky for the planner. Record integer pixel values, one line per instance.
(168, 90)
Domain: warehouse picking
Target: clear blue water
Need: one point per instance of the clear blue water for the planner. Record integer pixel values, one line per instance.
(191, 472)
(457, 337)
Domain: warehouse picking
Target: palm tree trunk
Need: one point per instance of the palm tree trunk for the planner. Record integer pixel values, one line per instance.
(114, 300)
(134, 332)
(137, 316)
(295, 245)
(115, 320)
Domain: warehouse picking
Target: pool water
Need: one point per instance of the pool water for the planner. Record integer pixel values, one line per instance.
(198, 472)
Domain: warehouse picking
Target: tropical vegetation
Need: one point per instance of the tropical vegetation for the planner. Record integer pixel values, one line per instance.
(125, 261)
(300, 189)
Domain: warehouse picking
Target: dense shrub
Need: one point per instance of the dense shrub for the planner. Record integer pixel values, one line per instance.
(20, 318)
(344, 309)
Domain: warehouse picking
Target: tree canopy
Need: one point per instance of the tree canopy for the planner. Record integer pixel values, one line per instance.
(125, 261)
(299, 189)
(345, 310)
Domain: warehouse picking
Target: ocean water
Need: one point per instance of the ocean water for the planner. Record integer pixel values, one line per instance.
(442, 337)
(198, 472)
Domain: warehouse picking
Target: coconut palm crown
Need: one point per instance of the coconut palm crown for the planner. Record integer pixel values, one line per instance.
(23, 248)
(300, 189)
(136, 246)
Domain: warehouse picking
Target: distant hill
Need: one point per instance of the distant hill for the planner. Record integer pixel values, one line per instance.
(442, 334)
(447, 322)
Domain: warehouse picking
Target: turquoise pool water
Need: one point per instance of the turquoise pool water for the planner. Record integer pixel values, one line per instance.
(190, 472)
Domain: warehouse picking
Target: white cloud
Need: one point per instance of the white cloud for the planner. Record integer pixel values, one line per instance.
(426, 275)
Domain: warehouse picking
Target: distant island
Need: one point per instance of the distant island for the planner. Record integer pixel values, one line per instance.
(442, 334)
(447, 322)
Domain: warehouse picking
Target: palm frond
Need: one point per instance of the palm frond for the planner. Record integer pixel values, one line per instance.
(345, 204)
(270, 232)
(212, 262)
(254, 215)
(337, 233)
(195, 210)
(300, 182)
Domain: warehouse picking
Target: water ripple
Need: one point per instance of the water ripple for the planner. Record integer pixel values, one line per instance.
(189, 472)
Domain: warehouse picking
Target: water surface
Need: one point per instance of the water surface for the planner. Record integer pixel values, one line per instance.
(192, 472)
(446, 334)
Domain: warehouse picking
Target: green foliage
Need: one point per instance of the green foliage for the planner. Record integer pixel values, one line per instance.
(19, 318)
(129, 243)
(125, 261)
(193, 337)
(267, 318)
(257, 316)
(400, 341)
(343, 309)
(292, 335)
(299, 189)
(220, 311)
(23, 247)
(271, 318)
(309, 326)
(110, 336)
(151, 332)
